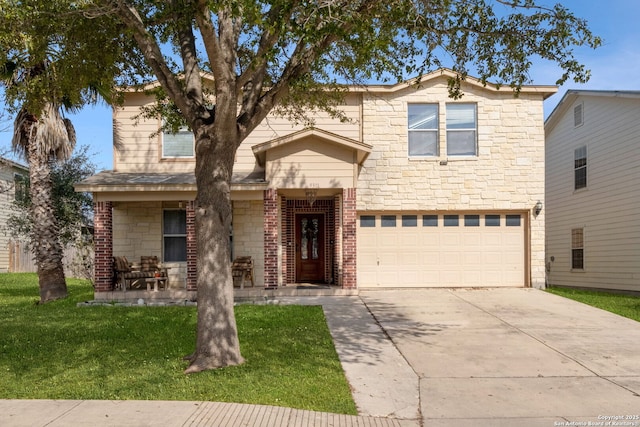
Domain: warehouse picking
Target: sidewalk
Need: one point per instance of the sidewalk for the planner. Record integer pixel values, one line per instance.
(136, 413)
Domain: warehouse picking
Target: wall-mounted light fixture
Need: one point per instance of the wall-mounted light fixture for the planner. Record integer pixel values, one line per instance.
(538, 208)
(311, 194)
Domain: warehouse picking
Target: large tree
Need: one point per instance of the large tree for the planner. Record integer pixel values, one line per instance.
(291, 55)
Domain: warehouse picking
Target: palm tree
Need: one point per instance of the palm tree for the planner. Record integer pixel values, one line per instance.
(42, 139)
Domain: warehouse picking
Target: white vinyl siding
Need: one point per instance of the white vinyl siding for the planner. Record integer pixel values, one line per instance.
(608, 208)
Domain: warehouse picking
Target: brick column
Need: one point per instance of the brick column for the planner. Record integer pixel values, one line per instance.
(270, 238)
(103, 235)
(349, 238)
(192, 266)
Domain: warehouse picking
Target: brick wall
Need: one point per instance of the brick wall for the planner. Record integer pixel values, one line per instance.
(349, 238)
(192, 269)
(103, 265)
(270, 203)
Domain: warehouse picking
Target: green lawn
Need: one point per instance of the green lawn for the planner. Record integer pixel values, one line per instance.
(60, 351)
(624, 305)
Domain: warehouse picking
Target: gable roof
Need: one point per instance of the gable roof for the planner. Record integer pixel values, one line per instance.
(570, 97)
(545, 90)
(13, 164)
(362, 150)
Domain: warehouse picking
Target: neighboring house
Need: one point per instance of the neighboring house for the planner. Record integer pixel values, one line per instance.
(417, 190)
(593, 190)
(13, 179)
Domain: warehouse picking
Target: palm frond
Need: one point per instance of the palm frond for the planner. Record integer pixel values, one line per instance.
(54, 136)
(23, 132)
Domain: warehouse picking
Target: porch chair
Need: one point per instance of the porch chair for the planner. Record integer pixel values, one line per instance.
(124, 274)
(241, 270)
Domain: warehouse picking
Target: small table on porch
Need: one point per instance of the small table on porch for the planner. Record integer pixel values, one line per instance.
(157, 280)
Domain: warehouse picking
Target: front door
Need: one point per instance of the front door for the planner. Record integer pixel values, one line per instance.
(309, 248)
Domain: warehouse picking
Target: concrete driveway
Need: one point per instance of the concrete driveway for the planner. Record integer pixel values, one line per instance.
(512, 357)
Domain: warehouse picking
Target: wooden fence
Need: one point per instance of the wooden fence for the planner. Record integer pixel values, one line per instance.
(78, 262)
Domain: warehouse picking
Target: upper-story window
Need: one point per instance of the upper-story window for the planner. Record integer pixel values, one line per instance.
(578, 115)
(580, 167)
(461, 130)
(423, 129)
(178, 145)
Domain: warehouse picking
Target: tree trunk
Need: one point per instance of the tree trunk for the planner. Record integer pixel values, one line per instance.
(46, 245)
(217, 343)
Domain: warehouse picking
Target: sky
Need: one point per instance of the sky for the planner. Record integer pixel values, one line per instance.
(614, 66)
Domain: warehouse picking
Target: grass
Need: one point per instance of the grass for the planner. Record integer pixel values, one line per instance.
(60, 351)
(624, 305)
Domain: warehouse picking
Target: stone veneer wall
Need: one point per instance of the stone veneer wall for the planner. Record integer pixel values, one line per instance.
(248, 234)
(137, 231)
(507, 174)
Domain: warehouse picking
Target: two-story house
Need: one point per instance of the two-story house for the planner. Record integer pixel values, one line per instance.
(593, 190)
(416, 190)
(13, 179)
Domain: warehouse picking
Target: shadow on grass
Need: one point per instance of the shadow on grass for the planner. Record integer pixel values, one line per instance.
(61, 351)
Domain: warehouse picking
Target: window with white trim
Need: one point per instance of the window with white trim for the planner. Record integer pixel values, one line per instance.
(577, 249)
(461, 130)
(580, 167)
(178, 145)
(20, 187)
(423, 130)
(174, 235)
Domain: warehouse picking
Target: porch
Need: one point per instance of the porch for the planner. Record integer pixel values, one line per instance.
(246, 295)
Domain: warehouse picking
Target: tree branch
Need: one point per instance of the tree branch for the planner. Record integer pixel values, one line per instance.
(153, 55)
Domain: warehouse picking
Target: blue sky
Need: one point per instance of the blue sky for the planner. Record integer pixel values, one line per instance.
(614, 66)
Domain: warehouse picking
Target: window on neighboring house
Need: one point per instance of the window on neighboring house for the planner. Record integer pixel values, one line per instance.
(178, 145)
(580, 167)
(461, 130)
(423, 129)
(20, 189)
(577, 249)
(175, 235)
(578, 116)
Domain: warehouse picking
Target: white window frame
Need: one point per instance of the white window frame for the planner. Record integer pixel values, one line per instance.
(452, 130)
(577, 244)
(416, 130)
(580, 154)
(184, 131)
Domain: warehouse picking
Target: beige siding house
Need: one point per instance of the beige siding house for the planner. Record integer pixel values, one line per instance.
(416, 190)
(593, 190)
(13, 177)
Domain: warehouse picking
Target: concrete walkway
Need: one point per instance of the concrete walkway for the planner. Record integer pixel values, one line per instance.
(436, 357)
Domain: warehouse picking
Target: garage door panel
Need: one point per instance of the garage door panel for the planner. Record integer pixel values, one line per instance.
(441, 256)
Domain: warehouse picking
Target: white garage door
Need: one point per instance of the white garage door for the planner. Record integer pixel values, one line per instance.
(441, 250)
